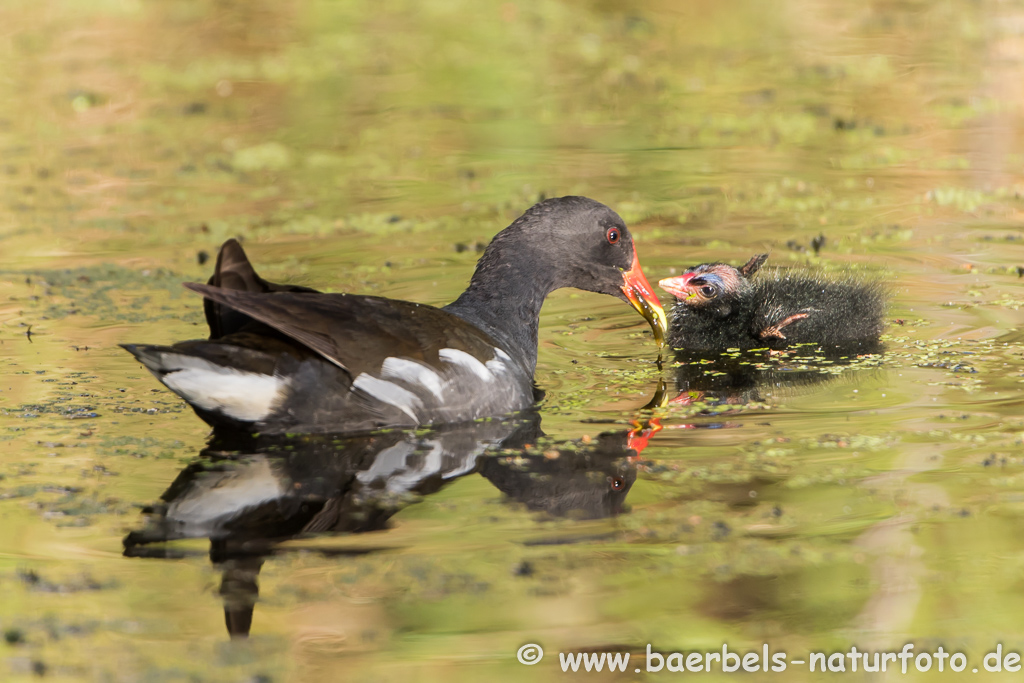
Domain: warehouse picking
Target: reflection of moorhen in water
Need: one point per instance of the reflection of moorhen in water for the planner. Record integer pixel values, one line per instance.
(719, 307)
(259, 490)
(248, 495)
(574, 479)
(283, 358)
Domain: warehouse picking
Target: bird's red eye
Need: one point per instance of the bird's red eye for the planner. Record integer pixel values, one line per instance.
(616, 483)
(612, 235)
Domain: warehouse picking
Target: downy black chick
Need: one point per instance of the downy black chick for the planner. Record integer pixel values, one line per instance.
(719, 306)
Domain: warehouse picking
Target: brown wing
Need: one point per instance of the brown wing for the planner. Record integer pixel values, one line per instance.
(357, 333)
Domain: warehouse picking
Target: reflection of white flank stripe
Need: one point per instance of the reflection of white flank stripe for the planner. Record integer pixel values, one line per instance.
(388, 464)
(456, 357)
(247, 396)
(412, 372)
(501, 355)
(399, 471)
(468, 461)
(390, 393)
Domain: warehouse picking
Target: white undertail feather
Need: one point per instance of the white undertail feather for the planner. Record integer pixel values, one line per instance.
(241, 395)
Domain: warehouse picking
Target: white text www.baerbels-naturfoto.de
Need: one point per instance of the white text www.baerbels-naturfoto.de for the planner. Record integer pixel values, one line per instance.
(853, 660)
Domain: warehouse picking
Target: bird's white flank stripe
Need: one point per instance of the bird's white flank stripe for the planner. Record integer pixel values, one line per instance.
(246, 396)
(457, 357)
(411, 372)
(390, 393)
(495, 366)
(500, 363)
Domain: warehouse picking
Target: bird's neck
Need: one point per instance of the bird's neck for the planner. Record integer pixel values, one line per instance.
(504, 299)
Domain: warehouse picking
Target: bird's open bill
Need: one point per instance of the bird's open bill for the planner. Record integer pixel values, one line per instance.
(639, 293)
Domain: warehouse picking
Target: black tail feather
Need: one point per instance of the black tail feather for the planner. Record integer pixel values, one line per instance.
(234, 271)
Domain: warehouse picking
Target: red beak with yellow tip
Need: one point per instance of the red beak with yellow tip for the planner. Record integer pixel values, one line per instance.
(639, 293)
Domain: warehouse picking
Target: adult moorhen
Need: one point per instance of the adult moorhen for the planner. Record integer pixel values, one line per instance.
(719, 307)
(282, 358)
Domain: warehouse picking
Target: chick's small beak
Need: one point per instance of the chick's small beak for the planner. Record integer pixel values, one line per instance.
(640, 293)
(678, 286)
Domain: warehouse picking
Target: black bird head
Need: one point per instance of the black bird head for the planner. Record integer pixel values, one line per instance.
(571, 242)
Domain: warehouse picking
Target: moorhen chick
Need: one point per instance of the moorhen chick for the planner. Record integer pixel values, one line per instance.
(719, 307)
(282, 358)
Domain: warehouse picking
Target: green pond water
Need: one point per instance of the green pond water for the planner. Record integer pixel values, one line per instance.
(370, 147)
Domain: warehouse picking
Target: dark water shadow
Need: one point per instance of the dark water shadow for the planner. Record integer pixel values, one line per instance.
(756, 376)
(248, 494)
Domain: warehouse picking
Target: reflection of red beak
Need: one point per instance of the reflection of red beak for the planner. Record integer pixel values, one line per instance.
(639, 437)
(639, 292)
(678, 286)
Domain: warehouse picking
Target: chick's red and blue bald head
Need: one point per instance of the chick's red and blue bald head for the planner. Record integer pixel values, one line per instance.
(704, 283)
